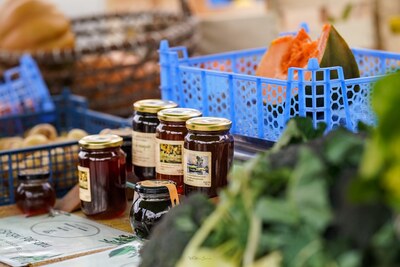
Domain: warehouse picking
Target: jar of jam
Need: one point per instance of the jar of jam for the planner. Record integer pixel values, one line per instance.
(126, 134)
(153, 201)
(144, 126)
(170, 135)
(207, 155)
(102, 176)
(34, 194)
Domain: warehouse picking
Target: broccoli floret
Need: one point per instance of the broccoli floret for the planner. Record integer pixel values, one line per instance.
(169, 238)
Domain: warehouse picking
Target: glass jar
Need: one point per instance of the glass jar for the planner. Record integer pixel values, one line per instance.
(102, 176)
(144, 126)
(154, 199)
(126, 134)
(170, 134)
(34, 194)
(207, 155)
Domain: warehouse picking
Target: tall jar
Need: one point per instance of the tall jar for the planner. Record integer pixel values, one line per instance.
(102, 176)
(170, 135)
(144, 126)
(208, 155)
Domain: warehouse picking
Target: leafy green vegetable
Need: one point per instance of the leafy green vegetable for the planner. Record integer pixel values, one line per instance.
(305, 203)
(288, 190)
(299, 130)
(279, 211)
(169, 238)
(381, 161)
(307, 190)
(386, 245)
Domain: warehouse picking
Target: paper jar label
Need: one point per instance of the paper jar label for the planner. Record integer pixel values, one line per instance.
(197, 168)
(84, 184)
(169, 157)
(143, 149)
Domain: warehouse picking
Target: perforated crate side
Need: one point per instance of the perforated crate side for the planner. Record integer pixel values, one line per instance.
(225, 85)
(60, 158)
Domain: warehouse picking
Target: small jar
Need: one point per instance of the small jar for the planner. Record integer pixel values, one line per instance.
(154, 199)
(144, 126)
(102, 176)
(207, 155)
(34, 194)
(170, 135)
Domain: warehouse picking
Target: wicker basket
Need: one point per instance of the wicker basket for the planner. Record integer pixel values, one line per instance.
(115, 61)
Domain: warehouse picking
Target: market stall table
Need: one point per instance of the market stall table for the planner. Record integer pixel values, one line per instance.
(120, 223)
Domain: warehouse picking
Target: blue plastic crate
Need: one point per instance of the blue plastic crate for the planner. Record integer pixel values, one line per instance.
(23, 89)
(61, 158)
(218, 3)
(225, 85)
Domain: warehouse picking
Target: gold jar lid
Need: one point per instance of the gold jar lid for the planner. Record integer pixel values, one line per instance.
(100, 141)
(208, 124)
(153, 105)
(178, 114)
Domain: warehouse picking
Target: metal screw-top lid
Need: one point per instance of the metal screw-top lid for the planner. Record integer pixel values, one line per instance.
(100, 141)
(178, 114)
(153, 105)
(33, 174)
(208, 124)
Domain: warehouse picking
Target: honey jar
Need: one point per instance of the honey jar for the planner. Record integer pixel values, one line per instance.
(102, 176)
(154, 199)
(34, 194)
(126, 134)
(207, 155)
(170, 135)
(144, 124)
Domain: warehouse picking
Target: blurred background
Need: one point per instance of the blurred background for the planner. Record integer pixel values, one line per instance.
(109, 54)
(364, 23)
(107, 50)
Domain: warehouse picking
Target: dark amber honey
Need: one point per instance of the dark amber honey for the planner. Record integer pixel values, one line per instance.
(144, 126)
(34, 194)
(126, 134)
(143, 123)
(151, 204)
(170, 135)
(102, 176)
(208, 155)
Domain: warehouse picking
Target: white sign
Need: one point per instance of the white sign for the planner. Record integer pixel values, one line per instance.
(122, 256)
(41, 238)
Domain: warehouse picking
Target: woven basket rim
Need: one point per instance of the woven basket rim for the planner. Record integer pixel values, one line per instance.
(182, 26)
